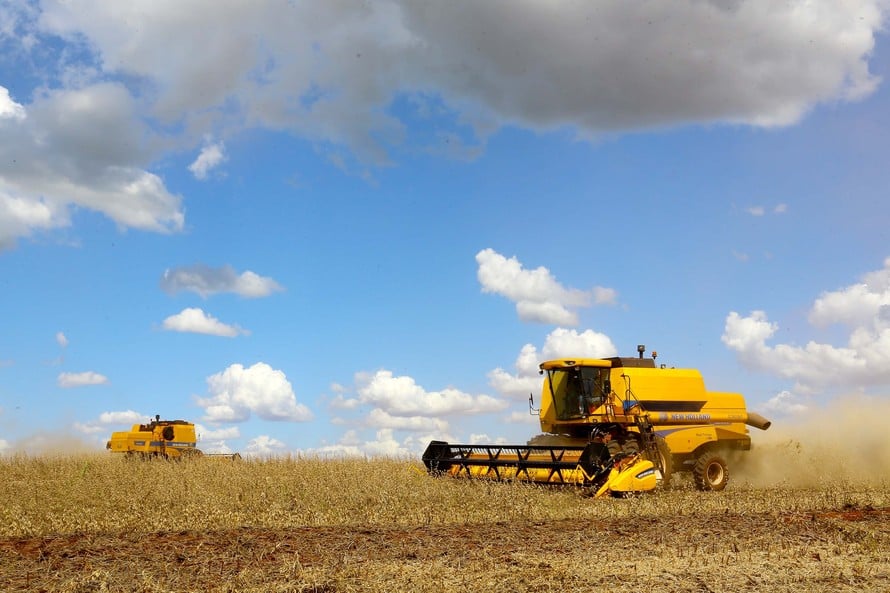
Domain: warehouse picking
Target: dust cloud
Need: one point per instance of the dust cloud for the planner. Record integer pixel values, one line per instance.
(845, 441)
(50, 444)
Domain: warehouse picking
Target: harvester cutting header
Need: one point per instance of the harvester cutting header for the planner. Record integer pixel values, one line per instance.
(615, 424)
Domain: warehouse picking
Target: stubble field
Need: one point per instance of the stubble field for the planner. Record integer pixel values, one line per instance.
(92, 522)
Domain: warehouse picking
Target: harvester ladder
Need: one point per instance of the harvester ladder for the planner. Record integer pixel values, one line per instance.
(648, 442)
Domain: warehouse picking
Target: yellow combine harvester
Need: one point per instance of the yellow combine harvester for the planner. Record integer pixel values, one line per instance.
(172, 439)
(606, 420)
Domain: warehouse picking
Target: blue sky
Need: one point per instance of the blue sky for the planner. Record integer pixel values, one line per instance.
(340, 227)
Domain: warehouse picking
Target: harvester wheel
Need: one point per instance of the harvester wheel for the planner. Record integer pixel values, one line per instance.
(631, 445)
(710, 472)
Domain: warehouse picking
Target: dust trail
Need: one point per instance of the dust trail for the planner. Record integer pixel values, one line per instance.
(50, 444)
(846, 441)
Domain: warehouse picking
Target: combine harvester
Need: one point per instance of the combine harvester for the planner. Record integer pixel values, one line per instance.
(170, 439)
(615, 425)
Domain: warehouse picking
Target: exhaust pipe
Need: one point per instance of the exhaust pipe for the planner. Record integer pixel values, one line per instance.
(757, 421)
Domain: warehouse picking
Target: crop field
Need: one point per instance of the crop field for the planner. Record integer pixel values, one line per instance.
(96, 522)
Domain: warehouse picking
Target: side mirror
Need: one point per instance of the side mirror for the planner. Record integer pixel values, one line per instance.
(607, 386)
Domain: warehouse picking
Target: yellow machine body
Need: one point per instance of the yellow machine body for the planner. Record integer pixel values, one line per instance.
(620, 391)
(617, 399)
(616, 424)
(166, 438)
(630, 475)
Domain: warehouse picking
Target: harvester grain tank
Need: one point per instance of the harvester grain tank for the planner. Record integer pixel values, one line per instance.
(636, 410)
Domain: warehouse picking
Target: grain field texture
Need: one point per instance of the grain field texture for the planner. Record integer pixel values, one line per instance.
(96, 523)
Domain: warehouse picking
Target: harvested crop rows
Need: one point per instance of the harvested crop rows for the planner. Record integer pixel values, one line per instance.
(399, 530)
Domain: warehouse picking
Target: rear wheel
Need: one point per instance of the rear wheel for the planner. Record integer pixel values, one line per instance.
(710, 472)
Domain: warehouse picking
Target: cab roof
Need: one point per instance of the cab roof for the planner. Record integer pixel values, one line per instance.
(606, 363)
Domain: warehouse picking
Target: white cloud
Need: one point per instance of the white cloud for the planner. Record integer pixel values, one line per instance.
(537, 294)
(328, 70)
(127, 84)
(67, 380)
(194, 320)
(206, 281)
(9, 109)
(785, 402)
(108, 422)
(525, 381)
(864, 308)
(756, 211)
(127, 417)
(560, 343)
(525, 417)
(20, 216)
(605, 296)
(237, 392)
(401, 396)
(264, 446)
(381, 419)
(222, 433)
(859, 304)
(80, 148)
(383, 445)
(212, 155)
(342, 402)
(61, 340)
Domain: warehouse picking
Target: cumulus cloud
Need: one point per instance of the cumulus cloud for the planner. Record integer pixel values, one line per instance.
(264, 446)
(786, 402)
(560, 343)
(380, 419)
(326, 69)
(525, 417)
(236, 392)
(860, 304)
(194, 320)
(212, 155)
(862, 308)
(222, 433)
(67, 380)
(108, 422)
(61, 339)
(402, 396)
(384, 444)
(213, 440)
(9, 109)
(207, 281)
(80, 148)
(538, 296)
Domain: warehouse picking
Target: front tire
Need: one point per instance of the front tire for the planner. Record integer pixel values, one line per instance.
(710, 472)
